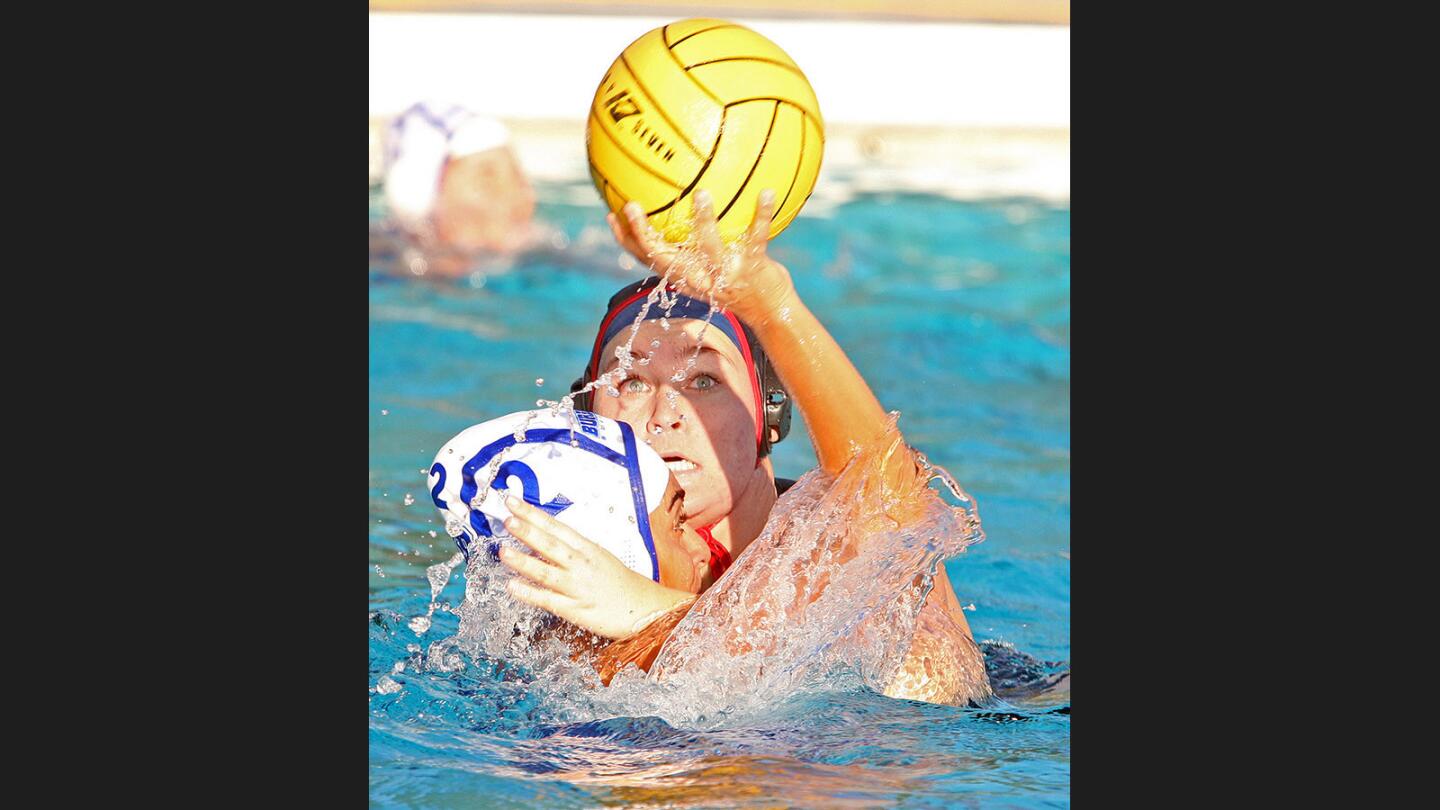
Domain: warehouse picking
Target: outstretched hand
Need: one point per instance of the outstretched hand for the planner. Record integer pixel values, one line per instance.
(578, 580)
(743, 279)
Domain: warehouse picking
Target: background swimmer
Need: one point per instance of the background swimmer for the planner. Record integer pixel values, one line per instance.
(455, 190)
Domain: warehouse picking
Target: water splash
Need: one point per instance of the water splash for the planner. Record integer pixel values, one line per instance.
(834, 584)
(438, 576)
(830, 594)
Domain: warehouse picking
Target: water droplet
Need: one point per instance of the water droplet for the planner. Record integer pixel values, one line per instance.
(665, 324)
(420, 624)
(644, 361)
(612, 390)
(387, 686)
(384, 412)
(539, 381)
(574, 443)
(398, 668)
(414, 648)
(379, 571)
(409, 499)
(432, 533)
(655, 344)
(655, 430)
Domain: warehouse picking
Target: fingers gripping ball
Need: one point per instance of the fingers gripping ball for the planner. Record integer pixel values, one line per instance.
(591, 474)
(705, 104)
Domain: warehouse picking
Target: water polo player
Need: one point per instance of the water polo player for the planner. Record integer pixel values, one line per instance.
(693, 392)
(591, 474)
(455, 189)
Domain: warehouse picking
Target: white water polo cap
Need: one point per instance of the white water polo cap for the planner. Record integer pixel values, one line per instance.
(590, 474)
(418, 143)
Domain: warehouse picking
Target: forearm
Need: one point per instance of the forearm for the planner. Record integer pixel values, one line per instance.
(840, 409)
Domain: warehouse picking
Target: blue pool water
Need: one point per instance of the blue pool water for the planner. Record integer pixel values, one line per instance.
(958, 314)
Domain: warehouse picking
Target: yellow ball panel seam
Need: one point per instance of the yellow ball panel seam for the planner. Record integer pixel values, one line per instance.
(638, 162)
(658, 108)
(670, 44)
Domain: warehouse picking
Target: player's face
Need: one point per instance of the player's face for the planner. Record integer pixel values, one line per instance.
(702, 424)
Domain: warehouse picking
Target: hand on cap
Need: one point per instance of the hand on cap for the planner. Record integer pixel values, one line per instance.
(741, 278)
(578, 580)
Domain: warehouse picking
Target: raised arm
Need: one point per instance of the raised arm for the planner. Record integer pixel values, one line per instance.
(840, 409)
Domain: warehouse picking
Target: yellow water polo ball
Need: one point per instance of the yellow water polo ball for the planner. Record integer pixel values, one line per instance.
(705, 104)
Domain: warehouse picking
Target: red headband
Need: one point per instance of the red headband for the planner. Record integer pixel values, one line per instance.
(736, 333)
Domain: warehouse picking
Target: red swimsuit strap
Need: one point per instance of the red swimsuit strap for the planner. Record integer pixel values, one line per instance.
(719, 556)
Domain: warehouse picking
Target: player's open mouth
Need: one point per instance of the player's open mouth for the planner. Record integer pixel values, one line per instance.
(678, 464)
